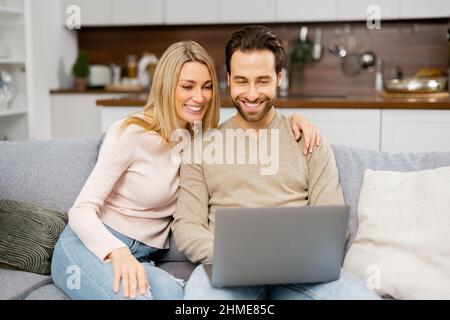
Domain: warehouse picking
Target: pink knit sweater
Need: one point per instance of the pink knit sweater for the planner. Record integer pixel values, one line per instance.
(132, 189)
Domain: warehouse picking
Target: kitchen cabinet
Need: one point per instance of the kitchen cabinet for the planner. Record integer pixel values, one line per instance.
(338, 126)
(117, 12)
(93, 13)
(412, 9)
(235, 11)
(192, 12)
(137, 12)
(358, 128)
(357, 9)
(299, 11)
(389, 130)
(76, 115)
(172, 12)
(415, 130)
(447, 9)
(109, 115)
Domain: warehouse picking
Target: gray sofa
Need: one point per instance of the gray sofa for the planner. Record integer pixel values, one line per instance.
(52, 173)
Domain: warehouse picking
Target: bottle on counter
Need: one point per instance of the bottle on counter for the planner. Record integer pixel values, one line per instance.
(116, 74)
(379, 85)
(132, 66)
(284, 86)
(448, 65)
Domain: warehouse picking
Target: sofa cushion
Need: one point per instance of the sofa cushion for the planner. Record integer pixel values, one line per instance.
(28, 234)
(18, 284)
(180, 270)
(49, 173)
(352, 162)
(403, 234)
(47, 292)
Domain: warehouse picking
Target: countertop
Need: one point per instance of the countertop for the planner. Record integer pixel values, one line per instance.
(95, 91)
(359, 101)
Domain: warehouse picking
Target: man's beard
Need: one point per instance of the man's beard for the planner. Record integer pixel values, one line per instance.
(254, 117)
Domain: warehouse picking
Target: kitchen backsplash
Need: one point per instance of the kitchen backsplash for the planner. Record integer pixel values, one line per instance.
(403, 46)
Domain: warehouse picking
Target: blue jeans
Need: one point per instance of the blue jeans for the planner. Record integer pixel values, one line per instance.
(347, 286)
(82, 276)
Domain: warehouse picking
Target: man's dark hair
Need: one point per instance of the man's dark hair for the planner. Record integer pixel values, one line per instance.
(251, 38)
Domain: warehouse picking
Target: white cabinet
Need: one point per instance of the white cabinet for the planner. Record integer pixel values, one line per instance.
(299, 11)
(77, 115)
(362, 10)
(109, 115)
(374, 129)
(148, 12)
(137, 12)
(93, 13)
(415, 130)
(192, 12)
(233, 11)
(339, 126)
(411, 9)
(117, 12)
(447, 9)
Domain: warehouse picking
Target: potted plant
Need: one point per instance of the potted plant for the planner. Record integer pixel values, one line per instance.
(81, 71)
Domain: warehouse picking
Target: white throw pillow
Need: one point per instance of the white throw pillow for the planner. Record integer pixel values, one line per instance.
(402, 247)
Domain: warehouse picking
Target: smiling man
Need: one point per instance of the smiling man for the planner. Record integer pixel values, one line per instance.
(254, 59)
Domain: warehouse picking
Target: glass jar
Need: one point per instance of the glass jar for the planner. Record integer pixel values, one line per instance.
(131, 66)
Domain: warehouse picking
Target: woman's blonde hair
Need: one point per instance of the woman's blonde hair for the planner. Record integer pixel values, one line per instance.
(159, 114)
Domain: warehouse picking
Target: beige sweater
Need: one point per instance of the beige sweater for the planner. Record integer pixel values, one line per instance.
(132, 189)
(299, 181)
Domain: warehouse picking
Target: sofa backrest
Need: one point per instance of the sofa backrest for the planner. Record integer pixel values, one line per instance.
(352, 163)
(49, 173)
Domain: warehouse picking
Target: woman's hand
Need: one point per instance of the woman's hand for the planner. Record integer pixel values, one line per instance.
(130, 271)
(310, 131)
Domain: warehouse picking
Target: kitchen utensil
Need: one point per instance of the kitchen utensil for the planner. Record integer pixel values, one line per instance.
(7, 89)
(351, 64)
(99, 75)
(338, 50)
(317, 48)
(379, 85)
(146, 68)
(417, 85)
(350, 61)
(367, 59)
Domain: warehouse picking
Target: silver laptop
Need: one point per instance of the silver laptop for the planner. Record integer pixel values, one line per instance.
(256, 246)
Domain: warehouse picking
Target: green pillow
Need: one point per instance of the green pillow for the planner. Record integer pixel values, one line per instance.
(28, 234)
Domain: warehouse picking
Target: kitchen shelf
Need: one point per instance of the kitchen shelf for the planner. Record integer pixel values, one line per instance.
(15, 32)
(13, 112)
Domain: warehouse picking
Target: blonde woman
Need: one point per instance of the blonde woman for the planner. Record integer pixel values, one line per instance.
(124, 211)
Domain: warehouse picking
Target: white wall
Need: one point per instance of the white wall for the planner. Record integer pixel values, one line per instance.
(53, 51)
